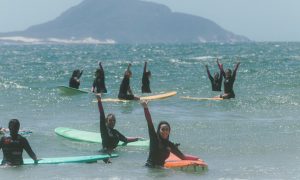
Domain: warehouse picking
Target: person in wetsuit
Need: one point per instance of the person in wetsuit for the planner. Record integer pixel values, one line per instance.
(145, 80)
(12, 146)
(216, 81)
(229, 79)
(110, 136)
(160, 146)
(74, 81)
(125, 90)
(99, 81)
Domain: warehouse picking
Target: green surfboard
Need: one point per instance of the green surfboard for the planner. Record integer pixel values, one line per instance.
(75, 159)
(92, 137)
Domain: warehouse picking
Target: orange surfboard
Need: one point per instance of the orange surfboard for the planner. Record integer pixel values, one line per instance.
(187, 165)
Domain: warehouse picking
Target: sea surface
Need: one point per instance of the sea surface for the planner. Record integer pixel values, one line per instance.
(254, 136)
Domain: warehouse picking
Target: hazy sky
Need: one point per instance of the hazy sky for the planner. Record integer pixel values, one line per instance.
(260, 20)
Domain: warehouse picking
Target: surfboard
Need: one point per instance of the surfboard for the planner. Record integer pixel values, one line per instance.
(150, 98)
(92, 137)
(202, 99)
(75, 159)
(21, 132)
(186, 165)
(65, 90)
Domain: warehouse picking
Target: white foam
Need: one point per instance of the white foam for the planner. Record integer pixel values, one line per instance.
(87, 40)
(20, 39)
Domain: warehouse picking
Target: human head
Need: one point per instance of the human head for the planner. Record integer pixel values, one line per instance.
(216, 76)
(76, 73)
(14, 126)
(163, 130)
(98, 72)
(128, 74)
(228, 73)
(148, 73)
(110, 121)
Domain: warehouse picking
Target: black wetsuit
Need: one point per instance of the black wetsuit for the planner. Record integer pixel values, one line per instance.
(99, 84)
(13, 149)
(228, 84)
(159, 149)
(124, 88)
(74, 83)
(145, 82)
(215, 85)
(110, 137)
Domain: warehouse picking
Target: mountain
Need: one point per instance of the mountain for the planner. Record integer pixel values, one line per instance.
(129, 21)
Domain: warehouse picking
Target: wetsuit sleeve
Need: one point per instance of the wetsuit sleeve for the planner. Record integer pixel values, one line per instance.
(235, 70)
(122, 137)
(28, 149)
(151, 130)
(221, 69)
(221, 77)
(103, 129)
(80, 74)
(176, 151)
(209, 75)
(1, 143)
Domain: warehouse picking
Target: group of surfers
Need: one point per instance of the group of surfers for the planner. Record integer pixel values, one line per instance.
(125, 91)
(13, 144)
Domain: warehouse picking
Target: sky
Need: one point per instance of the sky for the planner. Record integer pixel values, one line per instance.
(259, 20)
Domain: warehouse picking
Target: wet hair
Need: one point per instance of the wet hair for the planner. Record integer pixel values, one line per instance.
(75, 73)
(158, 128)
(127, 73)
(109, 116)
(14, 126)
(228, 70)
(148, 73)
(98, 72)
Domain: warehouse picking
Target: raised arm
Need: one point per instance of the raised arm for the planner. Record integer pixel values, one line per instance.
(101, 68)
(145, 67)
(221, 68)
(80, 74)
(103, 128)
(151, 130)
(208, 73)
(235, 69)
(128, 67)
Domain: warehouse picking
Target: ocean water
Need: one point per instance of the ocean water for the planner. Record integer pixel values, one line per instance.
(254, 136)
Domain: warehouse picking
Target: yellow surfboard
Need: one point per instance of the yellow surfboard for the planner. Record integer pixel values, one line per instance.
(150, 98)
(202, 99)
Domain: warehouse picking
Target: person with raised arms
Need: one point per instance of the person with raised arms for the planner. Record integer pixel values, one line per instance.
(216, 81)
(110, 136)
(74, 81)
(160, 145)
(99, 81)
(145, 80)
(13, 145)
(125, 91)
(229, 78)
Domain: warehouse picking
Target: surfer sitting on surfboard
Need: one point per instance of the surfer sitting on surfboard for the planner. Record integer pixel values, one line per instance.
(160, 146)
(125, 90)
(216, 81)
(229, 79)
(99, 81)
(74, 81)
(145, 80)
(13, 145)
(110, 136)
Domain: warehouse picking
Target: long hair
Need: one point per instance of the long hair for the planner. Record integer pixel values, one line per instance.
(158, 129)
